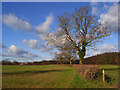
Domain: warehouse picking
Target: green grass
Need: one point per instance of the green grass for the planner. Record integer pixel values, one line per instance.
(110, 70)
(53, 76)
(37, 76)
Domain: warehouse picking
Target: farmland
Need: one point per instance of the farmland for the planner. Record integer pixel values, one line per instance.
(53, 76)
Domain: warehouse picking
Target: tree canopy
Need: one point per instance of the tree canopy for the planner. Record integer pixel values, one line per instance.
(80, 30)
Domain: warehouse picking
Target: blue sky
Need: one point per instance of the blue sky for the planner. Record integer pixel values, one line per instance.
(25, 26)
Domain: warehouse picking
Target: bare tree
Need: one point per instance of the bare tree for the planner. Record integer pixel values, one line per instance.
(81, 30)
(59, 57)
(65, 56)
(68, 51)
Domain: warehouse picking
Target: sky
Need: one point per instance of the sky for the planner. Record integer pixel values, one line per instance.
(25, 26)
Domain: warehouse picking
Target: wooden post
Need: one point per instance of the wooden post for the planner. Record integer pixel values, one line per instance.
(103, 76)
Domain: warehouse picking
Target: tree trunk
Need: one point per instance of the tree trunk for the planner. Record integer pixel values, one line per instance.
(80, 57)
(81, 54)
(80, 62)
(70, 62)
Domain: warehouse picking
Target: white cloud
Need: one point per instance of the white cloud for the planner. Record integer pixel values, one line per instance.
(18, 53)
(5, 55)
(105, 6)
(94, 10)
(44, 27)
(32, 43)
(43, 36)
(108, 48)
(95, 53)
(14, 22)
(111, 17)
(102, 49)
(45, 48)
(94, 2)
(15, 50)
(30, 56)
(18, 24)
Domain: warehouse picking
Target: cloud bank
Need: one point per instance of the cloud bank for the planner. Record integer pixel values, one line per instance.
(102, 49)
(18, 53)
(18, 24)
(35, 45)
(15, 23)
(111, 17)
(44, 28)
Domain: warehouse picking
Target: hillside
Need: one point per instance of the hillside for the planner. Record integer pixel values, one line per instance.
(106, 58)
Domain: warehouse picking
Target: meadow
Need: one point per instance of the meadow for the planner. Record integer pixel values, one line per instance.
(54, 76)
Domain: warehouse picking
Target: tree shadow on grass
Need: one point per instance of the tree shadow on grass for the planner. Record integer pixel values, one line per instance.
(34, 72)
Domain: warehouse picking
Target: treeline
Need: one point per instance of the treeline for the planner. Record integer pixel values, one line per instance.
(106, 58)
(44, 62)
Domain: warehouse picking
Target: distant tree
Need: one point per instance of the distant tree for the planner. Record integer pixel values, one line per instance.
(69, 52)
(59, 57)
(6, 61)
(80, 29)
(15, 63)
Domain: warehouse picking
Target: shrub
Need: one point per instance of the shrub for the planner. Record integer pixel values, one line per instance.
(88, 71)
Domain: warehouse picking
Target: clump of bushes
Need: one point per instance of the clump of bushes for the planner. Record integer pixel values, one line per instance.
(88, 71)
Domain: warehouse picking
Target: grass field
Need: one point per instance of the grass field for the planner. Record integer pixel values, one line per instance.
(53, 76)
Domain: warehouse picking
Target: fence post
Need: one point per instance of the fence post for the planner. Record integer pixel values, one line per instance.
(103, 76)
